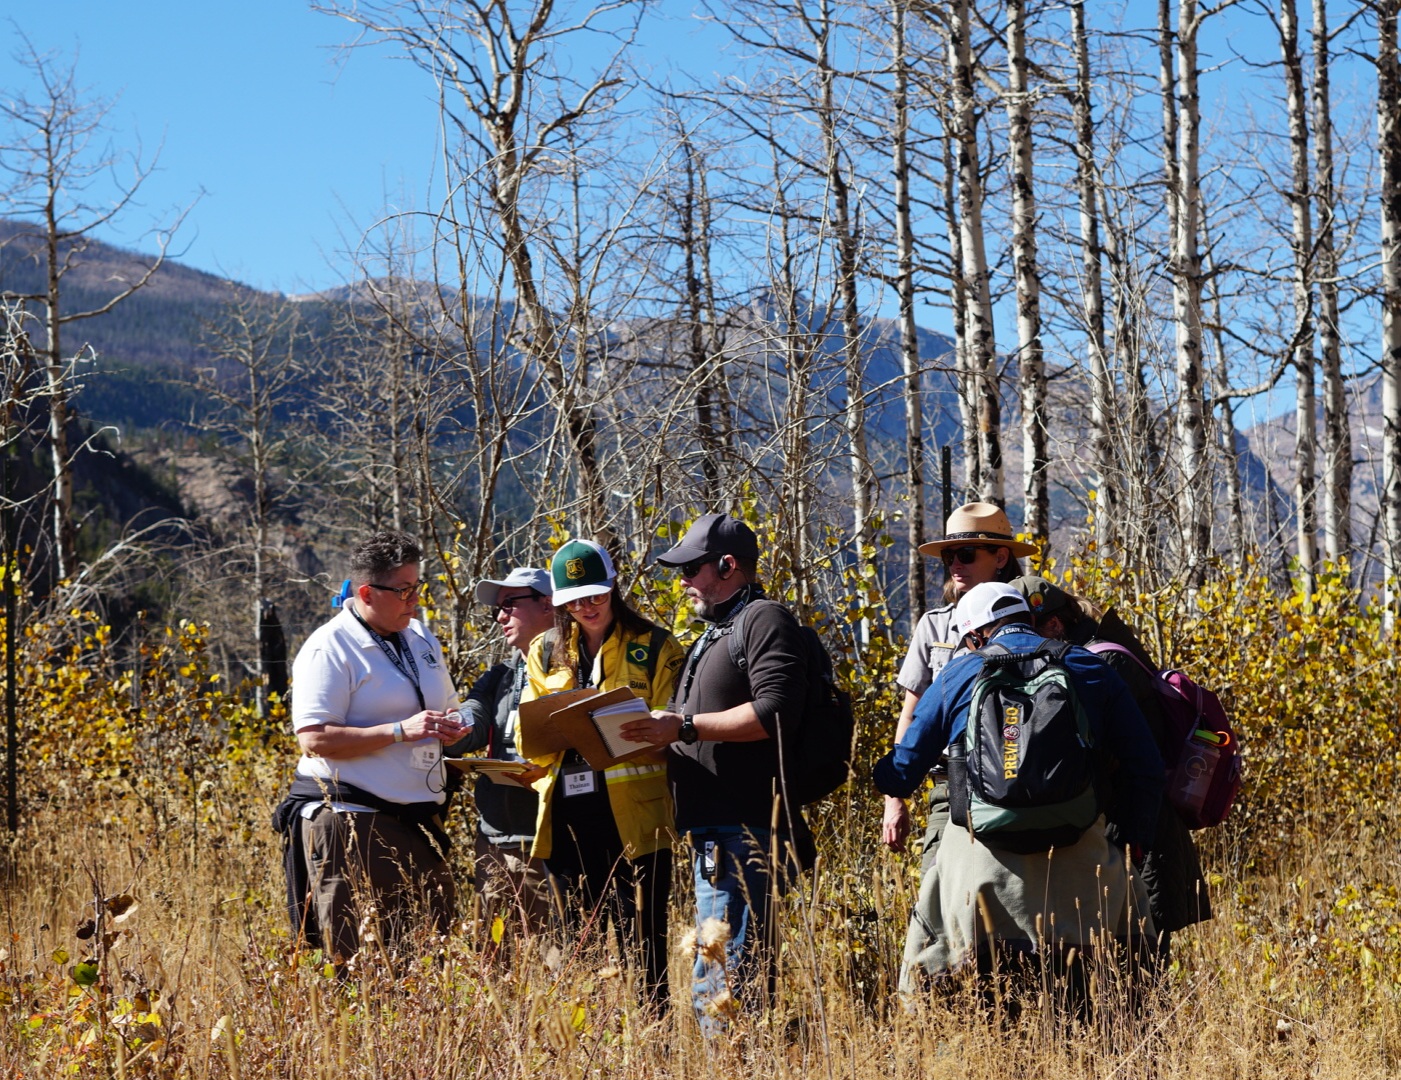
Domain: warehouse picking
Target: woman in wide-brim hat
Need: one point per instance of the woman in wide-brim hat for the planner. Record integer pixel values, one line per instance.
(978, 545)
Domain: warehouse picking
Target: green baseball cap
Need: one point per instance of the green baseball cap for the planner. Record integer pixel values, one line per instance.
(580, 568)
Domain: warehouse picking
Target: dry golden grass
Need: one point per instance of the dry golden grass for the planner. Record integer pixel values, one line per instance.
(200, 979)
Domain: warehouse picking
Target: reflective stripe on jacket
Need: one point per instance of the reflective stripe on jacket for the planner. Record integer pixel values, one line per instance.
(637, 788)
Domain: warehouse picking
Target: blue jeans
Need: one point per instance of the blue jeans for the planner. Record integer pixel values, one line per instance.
(736, 883)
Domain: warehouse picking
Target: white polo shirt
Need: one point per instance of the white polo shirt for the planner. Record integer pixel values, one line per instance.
(342, 676)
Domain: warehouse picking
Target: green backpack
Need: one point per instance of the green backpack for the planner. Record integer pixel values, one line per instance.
(1024, 774)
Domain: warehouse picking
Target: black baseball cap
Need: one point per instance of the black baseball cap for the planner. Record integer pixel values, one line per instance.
(710, 536)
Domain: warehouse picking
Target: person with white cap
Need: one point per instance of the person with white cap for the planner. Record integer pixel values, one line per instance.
(606, 836)
(977, 546)
(1010, 911)
(509, 881)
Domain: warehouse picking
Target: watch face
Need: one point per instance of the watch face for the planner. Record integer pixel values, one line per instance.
(687, 734)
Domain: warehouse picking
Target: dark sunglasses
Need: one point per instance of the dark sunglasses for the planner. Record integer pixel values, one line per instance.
(509, 604)
(965, 555)
(694, 567)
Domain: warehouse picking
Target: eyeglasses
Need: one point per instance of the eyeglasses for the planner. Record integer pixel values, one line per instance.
(406, 593)
(598, 600)
(509, 604)
(965, 555)
(695, 566)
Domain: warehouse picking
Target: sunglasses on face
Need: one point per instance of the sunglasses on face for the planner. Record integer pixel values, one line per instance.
(408, 592)
(965, 555)
(588, 601)
(695, 566)
(509, 604)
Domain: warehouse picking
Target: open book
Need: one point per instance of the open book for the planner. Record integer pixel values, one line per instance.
(608, 721)
(585, 720)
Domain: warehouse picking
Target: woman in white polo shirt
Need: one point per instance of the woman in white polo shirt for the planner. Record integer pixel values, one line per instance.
(372, 706)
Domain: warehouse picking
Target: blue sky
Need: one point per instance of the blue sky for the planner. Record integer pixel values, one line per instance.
(286, 146)
(291, 146)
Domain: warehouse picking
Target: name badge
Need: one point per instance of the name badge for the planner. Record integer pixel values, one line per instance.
(939, 655)
(579, 782)
(424, 758)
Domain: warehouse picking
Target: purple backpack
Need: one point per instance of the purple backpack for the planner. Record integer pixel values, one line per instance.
(1202, 751)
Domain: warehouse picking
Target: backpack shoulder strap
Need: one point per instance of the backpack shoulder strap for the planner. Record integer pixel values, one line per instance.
(734, 631)
(1109, 646)
(654, 648)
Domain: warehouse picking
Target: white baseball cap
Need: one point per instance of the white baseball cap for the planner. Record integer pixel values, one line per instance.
(988, 602)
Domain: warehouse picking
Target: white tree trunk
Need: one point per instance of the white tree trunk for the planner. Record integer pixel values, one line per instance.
(982, 343)
(1305, 403)
(1389, 150)
(1103, 415)
(1030, 354)
(1337, 430)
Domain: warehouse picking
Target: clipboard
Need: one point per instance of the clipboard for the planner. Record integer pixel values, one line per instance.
(497, 770)
(571, 723)
(536, 733)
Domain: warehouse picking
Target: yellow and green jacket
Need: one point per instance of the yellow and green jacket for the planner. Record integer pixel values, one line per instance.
(637, 788)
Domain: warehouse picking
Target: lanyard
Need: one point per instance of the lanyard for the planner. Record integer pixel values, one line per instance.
(713, 632)
(397, 656)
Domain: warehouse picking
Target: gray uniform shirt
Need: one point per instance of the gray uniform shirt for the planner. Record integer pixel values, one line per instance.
(933, 644)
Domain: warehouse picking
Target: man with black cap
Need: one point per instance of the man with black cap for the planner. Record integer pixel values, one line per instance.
(728, 725)
(509, 882)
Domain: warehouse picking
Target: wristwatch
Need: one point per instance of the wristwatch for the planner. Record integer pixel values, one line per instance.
(687, 734)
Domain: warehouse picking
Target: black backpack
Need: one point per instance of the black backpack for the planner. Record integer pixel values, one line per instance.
(1024, 774)
(819, 762)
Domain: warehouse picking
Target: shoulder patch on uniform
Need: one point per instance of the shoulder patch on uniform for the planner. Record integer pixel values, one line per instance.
(638, 652)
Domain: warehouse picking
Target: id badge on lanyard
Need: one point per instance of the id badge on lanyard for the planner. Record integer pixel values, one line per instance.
(579, 780)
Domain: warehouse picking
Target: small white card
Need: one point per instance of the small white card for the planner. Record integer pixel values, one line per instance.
(425, 756)
(579, 783)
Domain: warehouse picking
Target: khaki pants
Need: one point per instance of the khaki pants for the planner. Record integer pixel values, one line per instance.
(372, 867)
(513, 885)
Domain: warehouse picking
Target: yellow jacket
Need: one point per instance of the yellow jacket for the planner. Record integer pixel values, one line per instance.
(637, 788)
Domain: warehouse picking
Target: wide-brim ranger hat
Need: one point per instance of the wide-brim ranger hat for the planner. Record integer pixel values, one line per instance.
(986, 603)
(710, 536)
(522, 577)
(978, 523)
(580, 568)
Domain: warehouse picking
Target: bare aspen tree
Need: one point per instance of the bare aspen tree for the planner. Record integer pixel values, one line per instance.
(692, 211)
(1302, 338)
(1031, 359)
(497, 68)
(1103, 412)
(254, 343)
(1181, 149)
(1389, 153)
(58, 172)
(910, 366)
(981, 336)
(1138, 449)
(965, 363)
(810, 89)
(1337, 430)
(841, 222)
(1225, 444)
